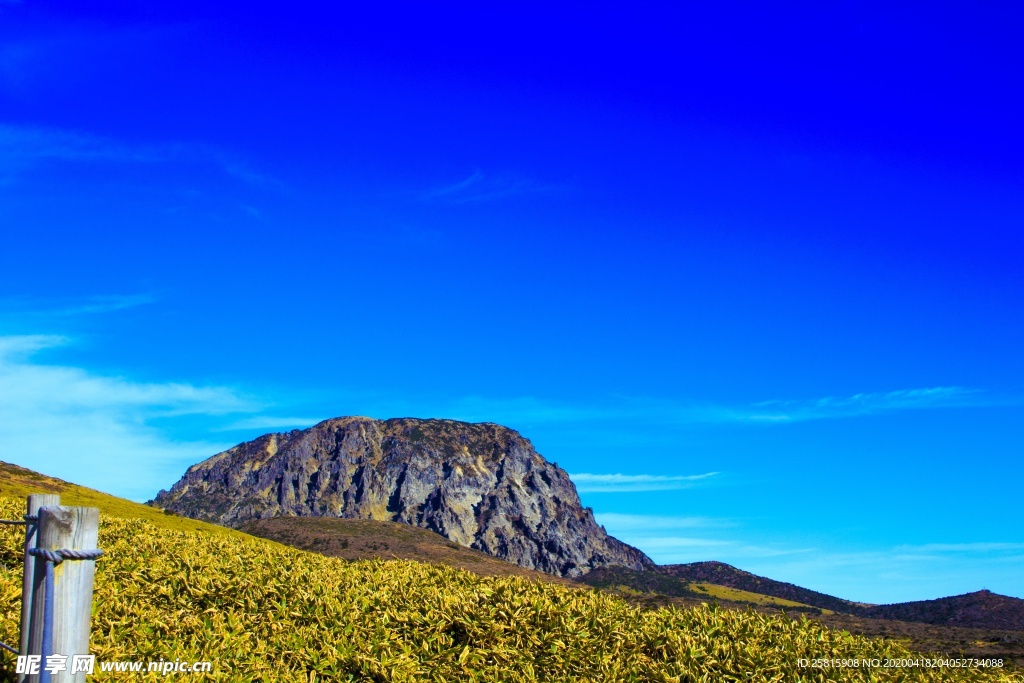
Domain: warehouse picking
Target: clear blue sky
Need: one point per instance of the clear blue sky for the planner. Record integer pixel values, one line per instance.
(752, 276)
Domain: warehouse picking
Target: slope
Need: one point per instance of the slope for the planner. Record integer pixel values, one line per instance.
(361, 539)
(19, 482)
(722, 574)
(260, 612)
(981, 609)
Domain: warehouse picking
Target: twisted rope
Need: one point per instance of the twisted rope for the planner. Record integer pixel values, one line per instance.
(58, 556)
(26, 520)
(53, 558)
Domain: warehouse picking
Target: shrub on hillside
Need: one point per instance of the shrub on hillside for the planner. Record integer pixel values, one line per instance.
(261, 612)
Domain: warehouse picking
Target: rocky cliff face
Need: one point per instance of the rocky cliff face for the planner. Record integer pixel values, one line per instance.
(480, 485)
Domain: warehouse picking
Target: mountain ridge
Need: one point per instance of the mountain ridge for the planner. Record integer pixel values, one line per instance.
(481, 485)
(723, 574)
(979, 609)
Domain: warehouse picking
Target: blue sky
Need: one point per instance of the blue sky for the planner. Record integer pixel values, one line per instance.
(751, 276)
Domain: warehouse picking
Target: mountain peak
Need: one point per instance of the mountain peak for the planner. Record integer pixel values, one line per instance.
(479, 484)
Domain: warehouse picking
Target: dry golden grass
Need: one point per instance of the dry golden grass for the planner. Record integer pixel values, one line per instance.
(261, 612)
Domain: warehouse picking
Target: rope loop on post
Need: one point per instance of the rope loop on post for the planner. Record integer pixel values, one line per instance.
(58, 556)
(52, 558)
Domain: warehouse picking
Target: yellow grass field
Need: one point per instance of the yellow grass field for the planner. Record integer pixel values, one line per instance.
(262, 612)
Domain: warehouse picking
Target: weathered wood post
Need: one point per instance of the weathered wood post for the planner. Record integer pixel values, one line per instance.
(74, 528)
(35, 501)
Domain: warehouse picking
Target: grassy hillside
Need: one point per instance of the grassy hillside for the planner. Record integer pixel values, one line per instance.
(735, 595)
(262, 612)
(721, 574)
(627, 581)
(18, 482)
(365, 539)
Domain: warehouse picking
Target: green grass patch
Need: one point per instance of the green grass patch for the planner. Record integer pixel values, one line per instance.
(18, 482)
(737, 595)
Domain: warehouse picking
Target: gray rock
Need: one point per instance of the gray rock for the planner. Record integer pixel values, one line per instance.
(480, 485)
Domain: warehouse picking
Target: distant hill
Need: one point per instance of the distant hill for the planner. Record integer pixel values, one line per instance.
(723, 574)
(982, 609)
(482, 486)
(653, 581)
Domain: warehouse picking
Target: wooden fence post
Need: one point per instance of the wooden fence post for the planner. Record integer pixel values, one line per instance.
(35, 501)
(76, 528)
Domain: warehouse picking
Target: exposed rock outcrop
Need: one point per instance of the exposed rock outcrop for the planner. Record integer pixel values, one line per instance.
(480, 485)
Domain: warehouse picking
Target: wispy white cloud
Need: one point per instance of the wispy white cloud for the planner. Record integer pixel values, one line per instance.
(631, 483)
(481, 187)
(979, 547)
(672, 540)
(269, 422)
(23, 147)
(19, 346)
(97, 429)
(662, 544)
(868, 403)
(531, 410)
(878, 575)
(696, 549)
(474, 179)
(84, 306)
(890, 575)
(647, 523)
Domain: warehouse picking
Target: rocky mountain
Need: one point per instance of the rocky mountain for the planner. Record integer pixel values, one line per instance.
(480, 485)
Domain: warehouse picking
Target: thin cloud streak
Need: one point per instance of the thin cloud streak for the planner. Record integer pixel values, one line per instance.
(633, 483)
(665, 543)
(25, 145)
(959, 548)
(15, 346)
(269, 422)
(632, 523)
(456, 188)
(86, 306)
(96, 430)
(871, 403)
(60, 387)
(481, 187)
(530, 410)
(877, 575)
(22, 147)
(886, 576)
